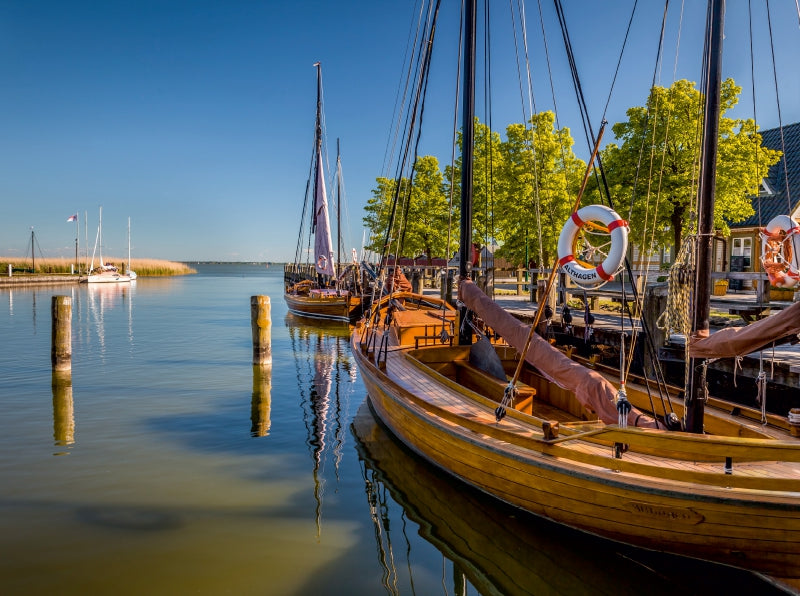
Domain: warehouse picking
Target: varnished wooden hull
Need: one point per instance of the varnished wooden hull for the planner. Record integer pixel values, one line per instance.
(682, 502)
(503, 551)
(336, 308)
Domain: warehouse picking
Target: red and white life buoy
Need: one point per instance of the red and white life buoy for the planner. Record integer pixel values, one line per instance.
(617, 227)
(780, 251)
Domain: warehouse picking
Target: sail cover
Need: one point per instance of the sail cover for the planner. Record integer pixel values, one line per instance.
(323, 253)
(738, 341)
(591, 388)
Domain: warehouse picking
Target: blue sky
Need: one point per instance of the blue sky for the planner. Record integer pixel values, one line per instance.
(195, 118)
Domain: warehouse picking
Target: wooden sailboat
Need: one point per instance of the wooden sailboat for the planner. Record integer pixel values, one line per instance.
(319, 290)
(564, 442)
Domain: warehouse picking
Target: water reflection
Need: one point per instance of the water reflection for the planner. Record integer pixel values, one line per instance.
(323, 364)
(501, 550)
(63, 409)
(261, 402)
(103, 298)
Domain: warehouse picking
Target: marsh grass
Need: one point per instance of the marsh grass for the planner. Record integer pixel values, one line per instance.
(142, 267)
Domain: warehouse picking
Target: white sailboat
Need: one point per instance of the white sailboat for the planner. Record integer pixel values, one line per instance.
(104, 272)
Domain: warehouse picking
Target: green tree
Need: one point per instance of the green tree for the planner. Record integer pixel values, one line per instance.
(377, 212)
(427, 213)
(537, 184)
(487, 163)
(422, 213)
(653, 171)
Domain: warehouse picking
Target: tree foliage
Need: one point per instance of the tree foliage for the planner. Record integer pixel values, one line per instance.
(525, 186)
(523, 190)
(538, 182)
(653, 170)
(421, 217)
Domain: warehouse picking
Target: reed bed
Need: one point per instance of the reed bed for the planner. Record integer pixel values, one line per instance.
(142, 267)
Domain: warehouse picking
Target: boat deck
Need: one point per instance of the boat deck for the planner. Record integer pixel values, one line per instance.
(581, 440)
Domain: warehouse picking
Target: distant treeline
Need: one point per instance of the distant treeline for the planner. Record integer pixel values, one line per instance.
(142, 267)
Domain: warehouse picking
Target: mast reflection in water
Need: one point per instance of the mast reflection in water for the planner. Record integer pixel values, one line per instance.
(323, 364)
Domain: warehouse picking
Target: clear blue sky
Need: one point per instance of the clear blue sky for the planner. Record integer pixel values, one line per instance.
(195, 118)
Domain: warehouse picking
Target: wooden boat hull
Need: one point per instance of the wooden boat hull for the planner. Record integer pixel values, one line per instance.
(503, 551)
(690, 511)
(335, 308)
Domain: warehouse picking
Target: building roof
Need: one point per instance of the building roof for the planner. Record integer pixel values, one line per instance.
(768, 206)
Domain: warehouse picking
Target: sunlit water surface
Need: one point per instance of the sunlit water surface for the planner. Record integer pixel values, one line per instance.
(168, 464)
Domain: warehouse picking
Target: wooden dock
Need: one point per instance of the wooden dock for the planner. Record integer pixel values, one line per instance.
(27, 279)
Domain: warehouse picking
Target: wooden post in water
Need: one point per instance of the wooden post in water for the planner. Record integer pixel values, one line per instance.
(261, 325)
(61, 348)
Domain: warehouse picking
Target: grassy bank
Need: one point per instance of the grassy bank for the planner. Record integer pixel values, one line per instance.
(143, 267)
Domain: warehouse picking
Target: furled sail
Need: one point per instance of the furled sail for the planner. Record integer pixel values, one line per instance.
(590, 387)
(738, 341)
(323, 252)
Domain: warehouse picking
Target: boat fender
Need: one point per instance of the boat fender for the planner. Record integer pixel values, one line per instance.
(617, 227)
(780, 251)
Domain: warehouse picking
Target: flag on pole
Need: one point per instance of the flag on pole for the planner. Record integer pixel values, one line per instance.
(72, 218)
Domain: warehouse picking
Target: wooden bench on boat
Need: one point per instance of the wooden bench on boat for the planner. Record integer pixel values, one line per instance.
(490, 386)
(421, 327)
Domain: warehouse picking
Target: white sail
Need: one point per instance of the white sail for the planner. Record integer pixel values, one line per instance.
(323, 253)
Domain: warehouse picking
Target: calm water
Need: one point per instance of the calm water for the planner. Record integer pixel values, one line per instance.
(171, 466)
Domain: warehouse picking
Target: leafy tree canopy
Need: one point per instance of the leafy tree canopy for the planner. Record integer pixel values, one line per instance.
(653, 169)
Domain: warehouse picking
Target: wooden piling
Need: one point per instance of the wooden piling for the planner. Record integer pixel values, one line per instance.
(61, 344)
(261, 325)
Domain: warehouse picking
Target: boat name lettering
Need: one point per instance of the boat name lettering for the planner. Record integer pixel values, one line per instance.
(666, 512)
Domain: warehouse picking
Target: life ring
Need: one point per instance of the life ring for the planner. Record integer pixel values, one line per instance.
(617, 227)
(780, 251)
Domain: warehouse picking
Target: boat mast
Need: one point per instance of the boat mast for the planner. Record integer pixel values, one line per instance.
(696, 391)
(100, 235)
(128, 270)
(338, 213)
(467, 139)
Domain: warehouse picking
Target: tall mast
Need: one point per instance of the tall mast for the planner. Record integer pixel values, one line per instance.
(100, 235)
(467, 139)
(317, 143)
(77, 235)
(696, 391)
(338, 212)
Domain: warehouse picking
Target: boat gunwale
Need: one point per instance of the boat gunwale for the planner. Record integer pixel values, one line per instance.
(559, 449)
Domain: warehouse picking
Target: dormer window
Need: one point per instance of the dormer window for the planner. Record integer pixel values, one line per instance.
(765, 190)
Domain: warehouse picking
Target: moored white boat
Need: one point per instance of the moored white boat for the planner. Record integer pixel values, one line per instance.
(104, 272)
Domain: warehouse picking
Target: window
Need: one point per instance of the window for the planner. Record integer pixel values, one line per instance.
(742, 247)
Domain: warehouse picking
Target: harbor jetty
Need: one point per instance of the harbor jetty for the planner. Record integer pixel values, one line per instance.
(36, 279)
